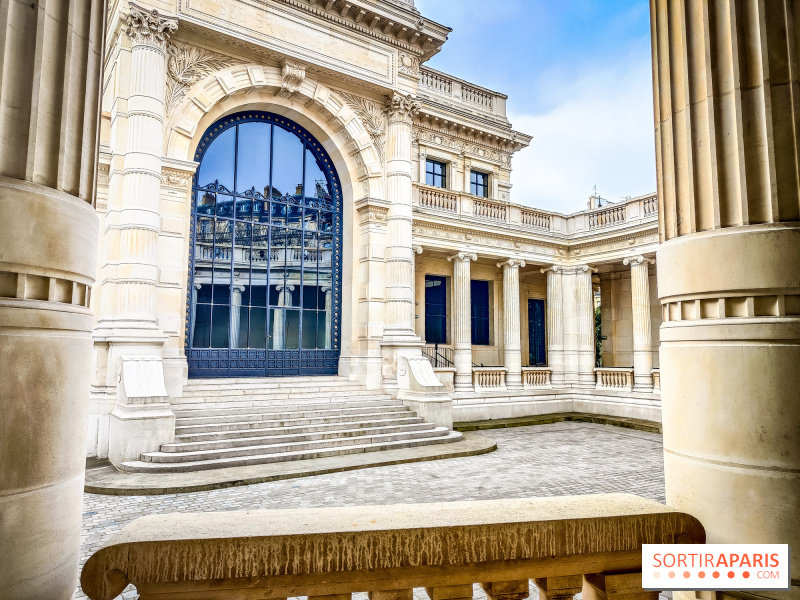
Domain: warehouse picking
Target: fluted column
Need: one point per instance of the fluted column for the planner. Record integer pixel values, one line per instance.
(279, 322)
(512, 346)
(642, 341)
(462, 323)
(236, 303)
(50, 63)
(327, 291)
(554, 316)
(399, 258)
(726, 79)
(141, 182)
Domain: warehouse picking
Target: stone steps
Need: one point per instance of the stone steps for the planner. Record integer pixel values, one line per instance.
(201, 465)
(239, 422)
(250, 432)
(289, 438)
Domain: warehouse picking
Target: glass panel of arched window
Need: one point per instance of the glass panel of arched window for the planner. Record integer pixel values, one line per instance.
(264, 243)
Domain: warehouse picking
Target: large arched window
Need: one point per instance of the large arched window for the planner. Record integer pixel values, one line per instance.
(265, 267)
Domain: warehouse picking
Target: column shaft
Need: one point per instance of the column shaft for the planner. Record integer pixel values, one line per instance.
(555, 325)
(512, 346)
(49, 106)
(399, 260)
(462, 329)
(640, 304)
(725, 79)
(585, 320)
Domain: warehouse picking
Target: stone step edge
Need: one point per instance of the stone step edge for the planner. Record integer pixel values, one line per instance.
(545, 419)
(146, 467)
(287, 407)
(304, 437)
(282, 430)
(282, 416)
(344, 442)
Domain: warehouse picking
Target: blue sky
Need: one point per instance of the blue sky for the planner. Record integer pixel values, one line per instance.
(577, 73)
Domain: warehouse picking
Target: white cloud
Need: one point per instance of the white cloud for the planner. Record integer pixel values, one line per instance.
(598, 131)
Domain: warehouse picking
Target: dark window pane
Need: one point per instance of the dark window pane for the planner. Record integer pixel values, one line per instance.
(202, 326)
(436, 173)
(309, 329)
(239, 327)
(244, 208)
(292, 341)
(479, 184)
(278, 214)
(323, 330)
(258, 328)
(310, 294)
(310, 220)
(224, 207)
(479, 291)
(252, 161)
(287, 164)
(435, 309)
(220, 324)
(217, 162)
(202, 293)
(316, 182)
(325, 221)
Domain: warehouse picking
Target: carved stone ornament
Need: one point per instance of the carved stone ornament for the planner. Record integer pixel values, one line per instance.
(514, 263)
(293, 75)
(555, 269)
(463, 257)
(401, 108)
(371, 116)
(186, 65)
(637, 260)
(408, 64)
(149, 27)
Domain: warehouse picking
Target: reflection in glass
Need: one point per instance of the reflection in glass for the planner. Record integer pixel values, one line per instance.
(252, 162)
(217, 164)
(287, 164)
(262, 268)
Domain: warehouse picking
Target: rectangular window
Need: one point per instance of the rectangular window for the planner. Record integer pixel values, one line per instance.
(479, 184)
(537, 352)
(479, 291)
(435, 309)
(435, 173)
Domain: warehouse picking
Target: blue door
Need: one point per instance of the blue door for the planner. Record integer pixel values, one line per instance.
(537, 351)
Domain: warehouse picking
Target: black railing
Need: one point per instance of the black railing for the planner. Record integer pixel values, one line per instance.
(438, 356)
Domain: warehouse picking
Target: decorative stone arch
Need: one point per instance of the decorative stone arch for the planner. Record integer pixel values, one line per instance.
(303, 100)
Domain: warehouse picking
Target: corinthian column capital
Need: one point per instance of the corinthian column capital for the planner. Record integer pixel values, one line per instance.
(637, 260)
(514, 263)
(463, 257)
(401, 108)
(149, 27)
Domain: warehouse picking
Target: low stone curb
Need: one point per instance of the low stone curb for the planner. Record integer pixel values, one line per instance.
(638, 424)
(103, 478)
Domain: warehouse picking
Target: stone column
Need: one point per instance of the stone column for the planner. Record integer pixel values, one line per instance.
(419, 294)
(642, 341)
(236, 302)
(585, 319)
(399, 255)
(462, 320)
(49, 95)
(725, 79)
(279, 324)
(512, 352)
(554, 316)
(327, 291)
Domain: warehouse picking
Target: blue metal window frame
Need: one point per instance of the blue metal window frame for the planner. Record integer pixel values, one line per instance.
(479, 183)
(434, 178)
(258, 362)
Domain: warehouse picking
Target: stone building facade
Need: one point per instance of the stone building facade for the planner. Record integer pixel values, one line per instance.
(224, 253)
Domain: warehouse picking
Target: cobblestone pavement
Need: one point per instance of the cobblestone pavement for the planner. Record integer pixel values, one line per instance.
(543, 460)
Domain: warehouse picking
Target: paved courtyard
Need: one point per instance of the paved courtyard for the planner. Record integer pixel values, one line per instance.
(543, 460)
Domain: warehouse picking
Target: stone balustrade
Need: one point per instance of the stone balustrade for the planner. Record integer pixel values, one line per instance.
(515, 216)
(565, 545)
(614, 378)
(438, 199)
(468, 95)
(536, 377)
(608, 216)
(488, 209)
(489, 378)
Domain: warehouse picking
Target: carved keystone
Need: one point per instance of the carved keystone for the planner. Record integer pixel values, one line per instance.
(450, 592)
(560, 588)
(507, 590)
(619, 586)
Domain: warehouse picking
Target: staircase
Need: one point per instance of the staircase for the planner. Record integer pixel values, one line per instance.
(238, 422)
